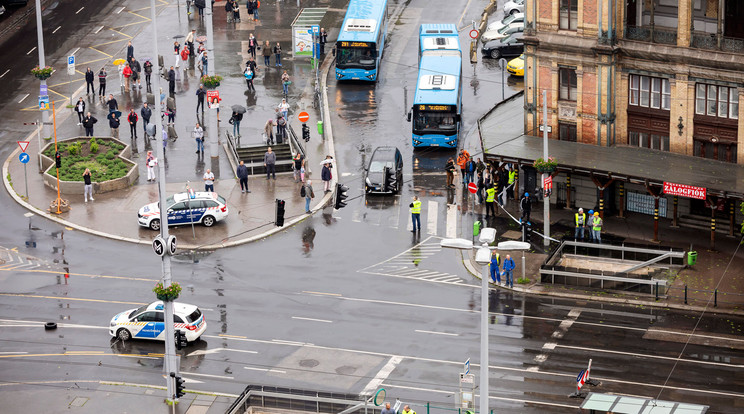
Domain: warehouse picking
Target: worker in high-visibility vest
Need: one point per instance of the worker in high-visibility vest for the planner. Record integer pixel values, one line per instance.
(416, 214)
(597, 228)
(490, 199)
(494, 268)
(511, 183)
(580, 222)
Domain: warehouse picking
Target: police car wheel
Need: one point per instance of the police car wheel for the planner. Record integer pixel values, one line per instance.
(155, 224)
(208, 221)
(123, 334)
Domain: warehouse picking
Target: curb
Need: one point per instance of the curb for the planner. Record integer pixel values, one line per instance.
(627, 301)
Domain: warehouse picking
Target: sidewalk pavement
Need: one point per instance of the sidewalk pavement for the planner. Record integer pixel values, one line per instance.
(114, 214)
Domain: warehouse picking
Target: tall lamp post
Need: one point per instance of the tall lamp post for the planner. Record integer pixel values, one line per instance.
(483, 258)
(212, 126)
(42, 63)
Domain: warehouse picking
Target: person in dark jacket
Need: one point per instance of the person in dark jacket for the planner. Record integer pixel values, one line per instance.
(148, 72)
(130, 51)
(114, 124)
(325, 175)
(102, 83)
(450, 169)
(88, 122)
(136, 73)
(112, 104)
(470, 170)
(526, 206)
(200, 94)
(323, 38)
(80, 109)
(481, 187)
(242, 174)
(235, 120)
(146, 113)
(278, 54)
(172, 81)
(89, 77)
(132, 119)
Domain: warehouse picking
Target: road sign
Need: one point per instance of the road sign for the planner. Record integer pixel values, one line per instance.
(70, 60)
(43, 103)
(23, 145)
(23, 157)
(467, 367)
(315, 29)
(158, 245)
(474, 34)
(43, 90)
(473, 188)
(303, 117)
(71, 65)
(550, 128)
(172, 245)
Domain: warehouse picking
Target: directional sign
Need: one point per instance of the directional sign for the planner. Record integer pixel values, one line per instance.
(473, 188)
(23, 157)
(473, 34)
(158, 245)
(172, 245)
(43, 103)
(23, 145)
(303, 117)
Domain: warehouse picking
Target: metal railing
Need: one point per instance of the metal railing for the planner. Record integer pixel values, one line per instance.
(684, 293)
(663, 35)
(709, 41)
(295, 400)
(232, 147)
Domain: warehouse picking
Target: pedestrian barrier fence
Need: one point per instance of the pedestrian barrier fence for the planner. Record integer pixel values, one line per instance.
(703, 296)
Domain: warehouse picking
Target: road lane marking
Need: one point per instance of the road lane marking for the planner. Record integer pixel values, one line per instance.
(121, 9)
(29, 214)
(104, 53)
(139, 279)
(431, 217)
(74, 51)
(98, 29)
(294, 343)
(79, 10)
(276, 371)
(5, 73)
(24, 97)
(382, 375)
(559, 332)
(13, 352)
(232, 336)
(73, 299)
(635, 354)
(321, 293)
(29, 52)
(312, 319)
(451, 221)
(55, 30)
(437, 333)
(207, 375)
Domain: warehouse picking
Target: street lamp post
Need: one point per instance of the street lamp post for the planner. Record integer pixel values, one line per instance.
(546, 198)
(212, 126)
(42, 63)
(169, 359)
(483, 258)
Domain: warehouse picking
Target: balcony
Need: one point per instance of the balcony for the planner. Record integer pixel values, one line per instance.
(709, 41)
(662, 35)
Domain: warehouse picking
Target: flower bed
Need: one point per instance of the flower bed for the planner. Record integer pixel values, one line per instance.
(105, 157)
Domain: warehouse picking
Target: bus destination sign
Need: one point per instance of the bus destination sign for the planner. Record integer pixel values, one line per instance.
(435, 107)
(355, 44)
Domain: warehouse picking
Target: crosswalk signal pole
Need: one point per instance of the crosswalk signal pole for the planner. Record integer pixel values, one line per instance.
(546, 198)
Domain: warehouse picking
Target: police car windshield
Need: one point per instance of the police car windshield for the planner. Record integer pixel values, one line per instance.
(138, 311)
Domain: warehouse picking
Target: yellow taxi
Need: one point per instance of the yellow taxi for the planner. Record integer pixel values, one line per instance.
(516, 66)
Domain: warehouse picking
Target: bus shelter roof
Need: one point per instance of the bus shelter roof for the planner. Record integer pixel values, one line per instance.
(621, 404)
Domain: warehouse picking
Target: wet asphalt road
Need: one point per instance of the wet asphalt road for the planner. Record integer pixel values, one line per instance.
(331, 303)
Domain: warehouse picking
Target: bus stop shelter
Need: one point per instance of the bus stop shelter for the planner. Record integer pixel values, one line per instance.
(597, 403)
(302, 37)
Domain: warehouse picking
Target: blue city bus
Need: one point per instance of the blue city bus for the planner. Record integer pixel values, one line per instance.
(360, 44)
(437, 105)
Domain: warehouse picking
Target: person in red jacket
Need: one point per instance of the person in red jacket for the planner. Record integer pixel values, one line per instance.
(127, 75)
(132, 118)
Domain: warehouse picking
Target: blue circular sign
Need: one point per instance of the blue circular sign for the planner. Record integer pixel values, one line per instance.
(23, 157)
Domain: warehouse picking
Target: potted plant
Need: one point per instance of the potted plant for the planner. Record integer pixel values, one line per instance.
(42, 73)
(211, 82)
(169, 293)
(546, 166)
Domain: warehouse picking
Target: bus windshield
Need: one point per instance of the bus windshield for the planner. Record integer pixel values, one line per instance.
(356, 57)
(439, 122)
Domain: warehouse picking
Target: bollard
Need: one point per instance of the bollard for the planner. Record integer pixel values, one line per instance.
(715, 298)
(320, 127)
(685, 294)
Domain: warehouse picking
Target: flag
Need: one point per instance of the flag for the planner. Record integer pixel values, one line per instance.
(583, 377)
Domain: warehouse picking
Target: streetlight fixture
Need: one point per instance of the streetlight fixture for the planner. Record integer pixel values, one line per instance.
(483, 258)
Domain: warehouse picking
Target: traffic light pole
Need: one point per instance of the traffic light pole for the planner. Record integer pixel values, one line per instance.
(170, 361)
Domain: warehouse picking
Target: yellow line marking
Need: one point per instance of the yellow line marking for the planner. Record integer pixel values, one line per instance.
(141, 279)
(15, 249)
(153, 354)
(73, 299)
(139, 15)
(83, 352)
(105, 43)
(121, 33)
(232, 336)
(91, 47)
(321, 293)
(132, 24)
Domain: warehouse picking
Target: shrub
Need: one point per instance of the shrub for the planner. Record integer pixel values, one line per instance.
(523, 281)
(93, 147)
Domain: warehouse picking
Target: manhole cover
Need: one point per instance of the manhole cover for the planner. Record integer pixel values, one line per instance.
(345, 370)
(309, 363)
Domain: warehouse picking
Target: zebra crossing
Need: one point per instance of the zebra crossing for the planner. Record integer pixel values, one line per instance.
(11, 259)
(396, 215)
(412, 263)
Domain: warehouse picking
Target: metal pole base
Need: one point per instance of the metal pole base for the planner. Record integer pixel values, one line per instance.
(577, 394)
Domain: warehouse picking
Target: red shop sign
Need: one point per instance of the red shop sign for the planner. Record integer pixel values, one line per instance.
(684, 190)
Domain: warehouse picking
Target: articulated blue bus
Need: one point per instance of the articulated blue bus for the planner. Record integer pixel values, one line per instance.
(437, 105)
(361, 41)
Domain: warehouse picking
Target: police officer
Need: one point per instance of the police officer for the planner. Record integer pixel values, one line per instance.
(416, 214)
(580, 221)
(597, 228)
(490, 198)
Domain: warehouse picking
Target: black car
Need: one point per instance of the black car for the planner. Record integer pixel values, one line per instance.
(385, 171)
(511, 46)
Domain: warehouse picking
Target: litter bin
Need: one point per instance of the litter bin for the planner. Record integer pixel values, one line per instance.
(691, 258)
(476, 228)
(320, 127)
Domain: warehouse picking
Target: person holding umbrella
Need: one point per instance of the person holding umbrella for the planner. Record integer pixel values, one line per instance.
(237, 116)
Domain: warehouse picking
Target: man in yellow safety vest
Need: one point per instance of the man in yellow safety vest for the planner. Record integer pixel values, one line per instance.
(416, 214)
(580, 221)
(490, 198)
(597, 227)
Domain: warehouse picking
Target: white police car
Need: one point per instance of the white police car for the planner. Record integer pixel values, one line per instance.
(185, 208)
(148, 322)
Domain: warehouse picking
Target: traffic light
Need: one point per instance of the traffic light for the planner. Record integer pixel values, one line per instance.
(279, 221)
(180, 389)
(305, 133)
(58, 159)
(181, 341)
(526, 231)
(340, 196)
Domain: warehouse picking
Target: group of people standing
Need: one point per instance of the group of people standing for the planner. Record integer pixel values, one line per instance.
(592, 223)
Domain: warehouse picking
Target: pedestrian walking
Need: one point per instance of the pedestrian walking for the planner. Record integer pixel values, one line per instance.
(285, 82)
(415, 207)
(462, 161)
(278, 54)
(198, 135)
(148, 73)
(326, 176)
(269, 131)
(172, 81)
(309, 194)
(146, 113)
(88, 122)
(102, 82)
(281, 129)
(490, 199)
(256, 6)
(580, 222)
(597, 228)
(204, 63)
(235, 121)
(127, 72)
(170, 112)
(509, 271)
(80, 109)
(249, 73)
(270, 163)
(249, 7)
(590, 225)
(89, 77)
(132, 119)
(136, 70)
(209, 181)
(242, 174)
(130, 51)
(177, 59)
(252, 45)
(189, 41)
(88, 188)
(112, 104)
(200, 5)
(151, 162)
(267, 54)
(449, 168)
(322, 40)
(525, 205)
(494, 267)
(297, 165)
(283, 107)
(114, 124)
(200, 94)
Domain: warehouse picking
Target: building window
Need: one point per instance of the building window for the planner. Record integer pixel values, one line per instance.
(649, 92)
(648, 140)
(720, 151)
(569, 14)
(567, 132)
(718, 101)
(567, 84)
